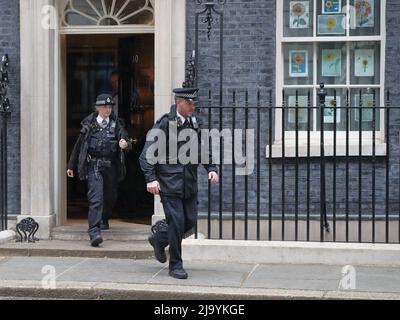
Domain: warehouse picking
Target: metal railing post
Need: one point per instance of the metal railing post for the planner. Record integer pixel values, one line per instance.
(4, 116)
(324, 221)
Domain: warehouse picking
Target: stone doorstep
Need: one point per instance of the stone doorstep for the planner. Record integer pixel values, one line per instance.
(113, 234)
(289, 252)
(119, 243)
(56, 248)
(107, 236)
(98, 290)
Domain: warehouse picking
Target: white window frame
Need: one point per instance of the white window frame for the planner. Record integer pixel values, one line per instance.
(314, 134)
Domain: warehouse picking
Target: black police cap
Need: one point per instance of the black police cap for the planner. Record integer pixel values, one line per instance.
(186, 93)
(104, 100)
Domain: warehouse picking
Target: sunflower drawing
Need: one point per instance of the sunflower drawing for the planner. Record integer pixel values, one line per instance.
(331, 23)
(329, 57)
(332, 61)
(365, 64)
(298, 9)
(332, 103)
(331, 6)
(364, 60)
(328, 5)
(299, 14)
(298, 58)
(298, 63)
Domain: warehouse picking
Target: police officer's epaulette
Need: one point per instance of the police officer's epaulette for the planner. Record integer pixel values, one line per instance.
(164, 118)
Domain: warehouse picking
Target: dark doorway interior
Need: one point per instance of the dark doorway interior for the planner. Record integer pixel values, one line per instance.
(123, 66)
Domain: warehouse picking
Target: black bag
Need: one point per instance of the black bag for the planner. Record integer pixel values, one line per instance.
(160, 225)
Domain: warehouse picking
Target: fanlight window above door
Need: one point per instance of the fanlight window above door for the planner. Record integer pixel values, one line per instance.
(108, 12)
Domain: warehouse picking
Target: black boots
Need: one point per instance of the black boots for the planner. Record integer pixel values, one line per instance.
(96, 240)
(159, 251)
(178, 273)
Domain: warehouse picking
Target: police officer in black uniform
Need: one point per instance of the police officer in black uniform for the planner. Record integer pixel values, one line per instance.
(99, 157)
(175, 182)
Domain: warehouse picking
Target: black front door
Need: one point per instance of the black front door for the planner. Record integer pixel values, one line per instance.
(136, 97)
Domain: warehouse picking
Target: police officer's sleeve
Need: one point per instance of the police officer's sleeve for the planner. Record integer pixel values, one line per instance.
(73, 160)
(210, 167)
(149, 167)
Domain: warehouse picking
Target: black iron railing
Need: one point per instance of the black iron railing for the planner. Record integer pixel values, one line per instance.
(322, 172)
(4, 117)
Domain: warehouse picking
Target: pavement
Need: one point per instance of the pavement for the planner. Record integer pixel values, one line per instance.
(111, 278)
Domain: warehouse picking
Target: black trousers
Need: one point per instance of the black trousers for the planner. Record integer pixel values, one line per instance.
(181, 216)
(102, 194)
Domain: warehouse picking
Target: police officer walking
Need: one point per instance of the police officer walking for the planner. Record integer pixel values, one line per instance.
(175, 182)
(98, 155)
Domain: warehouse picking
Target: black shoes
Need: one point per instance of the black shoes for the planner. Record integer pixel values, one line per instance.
(96, 240)
(159, 251)
(104, 226)
(178, 273)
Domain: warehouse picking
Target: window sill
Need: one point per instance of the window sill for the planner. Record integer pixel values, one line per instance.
(290, 149)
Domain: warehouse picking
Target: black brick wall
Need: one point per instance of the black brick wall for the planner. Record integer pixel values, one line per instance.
(249, 64)
(10, 44)
(249, 46)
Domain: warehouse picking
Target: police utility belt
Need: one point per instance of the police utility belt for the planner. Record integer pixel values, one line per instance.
(99, 162)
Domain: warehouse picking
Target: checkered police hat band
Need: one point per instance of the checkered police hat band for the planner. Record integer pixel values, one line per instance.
(186, 96)
(104, 102)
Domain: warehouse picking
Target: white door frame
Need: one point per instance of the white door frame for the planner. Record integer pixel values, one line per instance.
(43, 99)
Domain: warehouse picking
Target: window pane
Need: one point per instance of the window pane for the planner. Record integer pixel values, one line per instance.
(332, 63)
(75, 19)
(303, 118)
(366, 17)
(367, 103)
(365, 62)
(298, 63)
(335, 100)
(331, 17)
(298, 18)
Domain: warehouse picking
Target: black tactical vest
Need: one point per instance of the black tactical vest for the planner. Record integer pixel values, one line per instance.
(103, 143)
